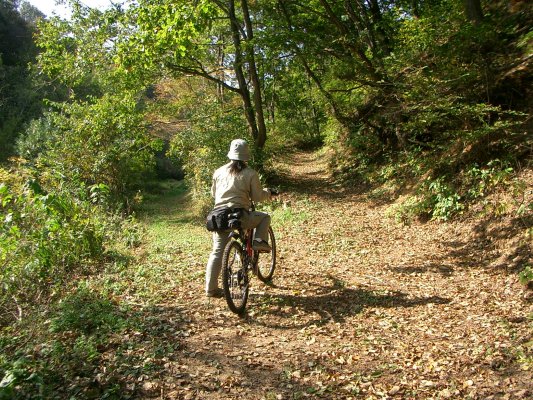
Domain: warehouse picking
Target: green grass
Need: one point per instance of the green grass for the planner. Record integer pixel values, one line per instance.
(111, 319)
(175, 245)
(289, 214)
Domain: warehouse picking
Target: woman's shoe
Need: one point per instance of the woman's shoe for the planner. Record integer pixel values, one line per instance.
(261, 245)
(217, 293)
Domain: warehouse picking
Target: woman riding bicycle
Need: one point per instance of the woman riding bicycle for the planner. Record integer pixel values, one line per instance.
(236, 186)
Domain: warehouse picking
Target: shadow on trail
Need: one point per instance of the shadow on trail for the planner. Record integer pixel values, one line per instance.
(484, 247)
(444, 270)
(165, 360)
(153, 352)
(330, 304)
(491, 244)
(306, 185)
(305, 177)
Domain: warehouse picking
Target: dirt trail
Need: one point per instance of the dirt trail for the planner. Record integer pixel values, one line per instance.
(361, 307)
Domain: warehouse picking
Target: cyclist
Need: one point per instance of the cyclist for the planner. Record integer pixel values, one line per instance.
(236, 186)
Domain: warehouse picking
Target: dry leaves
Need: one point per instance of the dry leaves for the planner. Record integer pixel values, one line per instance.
(360, 308)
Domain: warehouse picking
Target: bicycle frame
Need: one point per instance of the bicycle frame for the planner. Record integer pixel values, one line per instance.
(245, 237)
(236, 276)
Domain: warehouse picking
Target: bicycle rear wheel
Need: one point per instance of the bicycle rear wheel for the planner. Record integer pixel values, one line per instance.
(235, 277)
(265, 263)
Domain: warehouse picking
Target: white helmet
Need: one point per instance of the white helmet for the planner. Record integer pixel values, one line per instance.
(238, 150)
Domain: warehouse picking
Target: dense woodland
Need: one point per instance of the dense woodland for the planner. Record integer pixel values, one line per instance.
(430, 95)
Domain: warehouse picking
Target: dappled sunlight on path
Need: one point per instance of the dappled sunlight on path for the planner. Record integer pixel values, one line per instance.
(359, 307)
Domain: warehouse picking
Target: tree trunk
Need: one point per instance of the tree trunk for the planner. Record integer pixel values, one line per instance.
(256, 83)
(473, 11)
(244, 91)
(377, 19)
(416, 9)
(220, 73)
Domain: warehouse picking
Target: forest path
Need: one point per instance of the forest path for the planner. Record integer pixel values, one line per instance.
(360, 307)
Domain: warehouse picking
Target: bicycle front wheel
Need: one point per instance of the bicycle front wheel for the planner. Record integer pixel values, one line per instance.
(235, 277)
(265, 263)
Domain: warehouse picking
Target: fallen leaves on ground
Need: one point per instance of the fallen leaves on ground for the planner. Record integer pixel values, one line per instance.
(360, 307)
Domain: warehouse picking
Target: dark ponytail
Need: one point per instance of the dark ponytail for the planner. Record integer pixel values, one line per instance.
(236, 166)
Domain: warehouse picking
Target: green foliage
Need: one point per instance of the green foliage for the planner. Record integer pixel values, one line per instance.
(441, 114)
(52, 231)
(43, 237)
(111, 147)
(82, 162)
(79, 53)
(482, 180)
(526, 275)
(168, 32)
(446, 196)
(98, 136)
(443, 201)
(297, 115)
(86, 312)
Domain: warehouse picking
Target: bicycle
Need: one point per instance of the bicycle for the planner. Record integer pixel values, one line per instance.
(239, 259)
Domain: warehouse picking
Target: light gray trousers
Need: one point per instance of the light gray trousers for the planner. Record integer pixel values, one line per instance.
(258, 220)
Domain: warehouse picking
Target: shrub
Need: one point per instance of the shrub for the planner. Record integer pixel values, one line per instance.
(526, 275)
(100, 141)
(482, 179)
(45, 237)
(411, 208)
(202, 147)
(444, 202)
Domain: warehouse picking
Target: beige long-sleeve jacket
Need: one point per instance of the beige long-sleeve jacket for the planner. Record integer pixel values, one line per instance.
(238, 190)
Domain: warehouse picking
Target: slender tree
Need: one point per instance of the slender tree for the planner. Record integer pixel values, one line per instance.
(186, 38)
(254, 76)
(473, 11)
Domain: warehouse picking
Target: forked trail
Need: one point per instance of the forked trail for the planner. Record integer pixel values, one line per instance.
(360, 307)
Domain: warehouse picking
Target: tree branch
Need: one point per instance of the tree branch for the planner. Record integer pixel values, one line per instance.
(202, 73)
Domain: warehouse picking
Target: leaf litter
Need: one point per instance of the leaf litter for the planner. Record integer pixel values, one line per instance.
(360, 307)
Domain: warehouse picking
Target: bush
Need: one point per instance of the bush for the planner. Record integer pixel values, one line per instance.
(36, 139)
(46, 237)
(202, 147)
(443, 201)
(526, 276)
(101, 141)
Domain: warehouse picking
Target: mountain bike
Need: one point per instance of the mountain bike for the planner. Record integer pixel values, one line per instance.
(239, 260)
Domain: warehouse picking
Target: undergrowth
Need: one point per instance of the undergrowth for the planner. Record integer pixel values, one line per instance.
(443, 181)
(99, 334)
